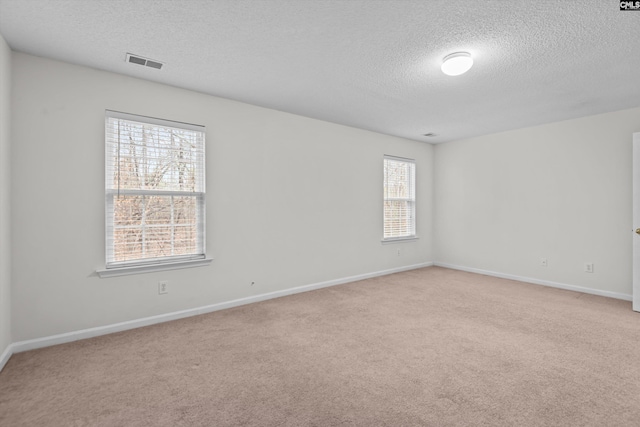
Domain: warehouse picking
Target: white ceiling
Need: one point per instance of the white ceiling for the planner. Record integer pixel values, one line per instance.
(371, 64)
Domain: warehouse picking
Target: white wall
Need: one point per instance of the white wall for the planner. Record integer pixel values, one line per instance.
(561, 191)
(291, 201)
(5, 225)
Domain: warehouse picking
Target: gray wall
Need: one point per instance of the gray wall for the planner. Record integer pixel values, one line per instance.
(291, 201)
(560, 191)
(5, 186)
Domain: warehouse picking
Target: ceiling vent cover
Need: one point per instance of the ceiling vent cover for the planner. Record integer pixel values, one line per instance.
(137, 59)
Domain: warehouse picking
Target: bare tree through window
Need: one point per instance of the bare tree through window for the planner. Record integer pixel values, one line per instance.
(399, 198)
(155, 190)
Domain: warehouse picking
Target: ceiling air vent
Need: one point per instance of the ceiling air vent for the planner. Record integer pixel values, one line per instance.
(136, 59)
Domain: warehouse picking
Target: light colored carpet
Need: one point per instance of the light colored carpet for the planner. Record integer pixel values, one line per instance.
(429, 347)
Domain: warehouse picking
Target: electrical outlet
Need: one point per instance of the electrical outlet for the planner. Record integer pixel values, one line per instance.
(398, 251)
(588, 267)
(543, 262)
(163, 287)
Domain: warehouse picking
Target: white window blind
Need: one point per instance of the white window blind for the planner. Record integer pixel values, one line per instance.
(155, 190)
(399, 198)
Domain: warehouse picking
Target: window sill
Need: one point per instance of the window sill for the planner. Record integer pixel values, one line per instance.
(139, 269)
(399, 240)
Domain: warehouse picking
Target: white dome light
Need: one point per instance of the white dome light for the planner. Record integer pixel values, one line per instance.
(457, 63)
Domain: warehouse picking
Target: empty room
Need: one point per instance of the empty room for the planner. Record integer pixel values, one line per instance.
(319, 213)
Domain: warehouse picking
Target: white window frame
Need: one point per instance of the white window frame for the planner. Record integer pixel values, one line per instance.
(411, 200)
(117, 268)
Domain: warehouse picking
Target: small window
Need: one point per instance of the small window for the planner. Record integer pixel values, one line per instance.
(155, 191)
(399, 198)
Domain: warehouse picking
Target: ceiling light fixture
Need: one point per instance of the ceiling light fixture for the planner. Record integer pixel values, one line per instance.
(457, 63)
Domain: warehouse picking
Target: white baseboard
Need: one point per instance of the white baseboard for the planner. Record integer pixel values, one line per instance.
(6, 354)
(549, 283)
(20, 346)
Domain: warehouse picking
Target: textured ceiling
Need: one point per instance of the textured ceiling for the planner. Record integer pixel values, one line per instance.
(371, 64)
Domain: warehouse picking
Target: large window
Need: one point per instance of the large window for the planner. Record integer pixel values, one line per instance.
(155, 191)
(399, 198)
